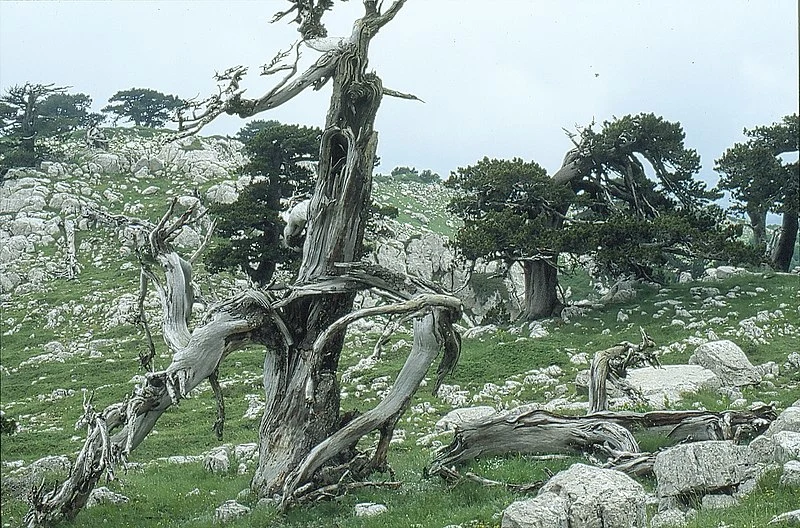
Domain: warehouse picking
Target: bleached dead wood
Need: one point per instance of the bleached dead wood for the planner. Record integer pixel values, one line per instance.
(71, 266)
(302, 419)
(605, 434)
(612, 364)
(532, 432)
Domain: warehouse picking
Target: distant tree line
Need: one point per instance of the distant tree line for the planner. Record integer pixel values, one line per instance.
(30, 113)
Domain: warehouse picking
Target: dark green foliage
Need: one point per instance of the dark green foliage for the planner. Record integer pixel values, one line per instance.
(410, 174)
(249, 131)
(31, 112)
(7, 425)
(62, 113)
(249, 230)
(143, 106)
(505, 206)
(760, 181)
(608, 205)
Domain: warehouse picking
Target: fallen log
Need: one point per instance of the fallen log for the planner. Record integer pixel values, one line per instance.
(607, 434)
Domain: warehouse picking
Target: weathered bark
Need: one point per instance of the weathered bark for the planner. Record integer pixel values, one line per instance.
(541, 274)
(605, 433)
(532, 432)
(71, 266)
(541, 289)
(784, 249)
(696, 426)
(301, 387)
(612, 364)
(302, 435)
(431, 333)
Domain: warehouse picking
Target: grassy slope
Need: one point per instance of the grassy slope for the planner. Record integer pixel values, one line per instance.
(159, 493)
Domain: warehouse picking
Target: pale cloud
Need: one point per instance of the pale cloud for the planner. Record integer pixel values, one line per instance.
(499, 78)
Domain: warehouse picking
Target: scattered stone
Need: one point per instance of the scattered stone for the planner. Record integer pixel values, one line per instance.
(791, 474)
(669, 519)
(788, 420)
(718, 501)
(702, 467)
(103, 495)
(668, 384)
(369, 509)
(480, 331)
(218, 460)
(19, 481)
(548, 510)
(230, 511)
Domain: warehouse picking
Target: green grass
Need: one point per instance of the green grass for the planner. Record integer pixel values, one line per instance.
(160, 493)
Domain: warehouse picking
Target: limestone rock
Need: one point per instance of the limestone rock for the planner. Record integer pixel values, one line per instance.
(246, 452)
(718, 501)
(480, 331)
(369, 509)
(668, 519)
(458, 417)
(218, 460)
(668, 383)
(725, 359)
(788, 420)
(19, 481)
(230, 511)
(548, 510)
(599, 497)
(777, 448)
(103, 495)
(222, 193)
(702, 467)
(791, 474)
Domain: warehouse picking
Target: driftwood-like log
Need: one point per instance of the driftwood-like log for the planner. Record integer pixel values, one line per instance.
(604, 433)
(532, 432)
(113, 433)
(694, 425)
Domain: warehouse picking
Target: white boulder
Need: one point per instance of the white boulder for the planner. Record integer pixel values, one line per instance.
(599, 497)
(702, 467)
(548, 510)
(725, 359)
(230, 511)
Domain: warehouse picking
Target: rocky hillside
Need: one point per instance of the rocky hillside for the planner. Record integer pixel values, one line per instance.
(69, 298)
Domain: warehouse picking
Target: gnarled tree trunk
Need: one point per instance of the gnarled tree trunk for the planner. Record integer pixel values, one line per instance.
(302, 388)
(784, 249)
(541, 289)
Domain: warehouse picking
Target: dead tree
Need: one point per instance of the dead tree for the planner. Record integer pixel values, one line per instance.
(603, 434)
(612, 365)
(306, 446)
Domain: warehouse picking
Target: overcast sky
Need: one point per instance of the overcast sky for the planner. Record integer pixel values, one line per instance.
(499, 78)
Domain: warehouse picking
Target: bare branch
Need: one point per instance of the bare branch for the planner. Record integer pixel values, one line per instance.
(401, 95)
(418, 303)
